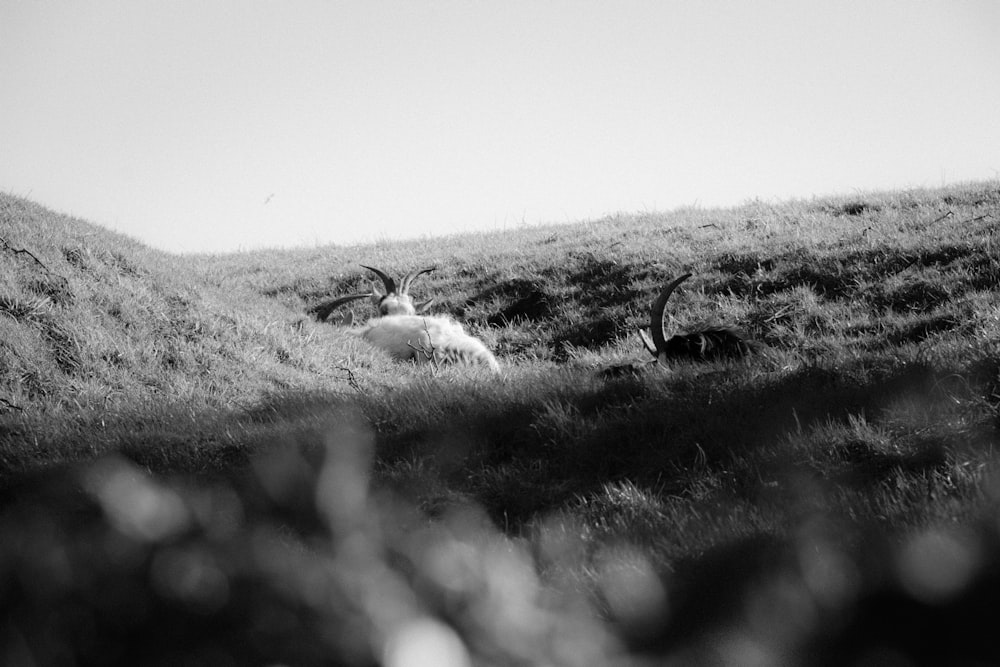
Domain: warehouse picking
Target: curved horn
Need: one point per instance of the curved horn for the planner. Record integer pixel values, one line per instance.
(647, 343)
(405, 286)
(323, 310)
(656, 313)
(389, 283)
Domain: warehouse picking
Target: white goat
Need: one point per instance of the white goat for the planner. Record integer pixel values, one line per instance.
(407, 335)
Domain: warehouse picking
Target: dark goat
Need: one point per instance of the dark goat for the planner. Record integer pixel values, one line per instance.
(706, 345)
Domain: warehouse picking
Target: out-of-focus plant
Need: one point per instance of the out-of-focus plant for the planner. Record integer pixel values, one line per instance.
(298, 563)
(302, 561)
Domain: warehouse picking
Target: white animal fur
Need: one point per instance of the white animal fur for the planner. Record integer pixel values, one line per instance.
(427, 338)
(407, 336)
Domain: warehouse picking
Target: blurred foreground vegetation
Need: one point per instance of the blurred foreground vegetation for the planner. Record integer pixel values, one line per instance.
(192, 472)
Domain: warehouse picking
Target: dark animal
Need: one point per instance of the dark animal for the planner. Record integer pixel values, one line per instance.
(706, 345)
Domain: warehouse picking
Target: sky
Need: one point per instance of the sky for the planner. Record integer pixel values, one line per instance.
(226, 125)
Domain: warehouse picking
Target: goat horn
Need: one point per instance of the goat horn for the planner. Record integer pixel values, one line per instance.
(323, 310)
(656, 314)
(647, 342)
(389, 283)
(405, 286)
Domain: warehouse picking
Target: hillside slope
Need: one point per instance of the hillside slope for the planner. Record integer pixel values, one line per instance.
(874, 269)
(96, 328)
(95, 323)
(240, 485)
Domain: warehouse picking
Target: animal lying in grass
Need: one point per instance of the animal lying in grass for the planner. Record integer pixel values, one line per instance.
(706, 345)
(391, 302)
(406, 334)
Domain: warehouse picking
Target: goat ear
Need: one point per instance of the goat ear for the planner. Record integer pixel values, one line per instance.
(424, 305)
(376, 292)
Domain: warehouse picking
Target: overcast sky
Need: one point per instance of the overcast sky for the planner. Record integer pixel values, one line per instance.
(220, 125)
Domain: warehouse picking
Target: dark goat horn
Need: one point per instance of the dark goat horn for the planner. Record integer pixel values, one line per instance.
(405, 286)
(323, 310)
(656, 314)
(389, 283)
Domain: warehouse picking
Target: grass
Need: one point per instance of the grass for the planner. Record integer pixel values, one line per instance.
(193, 471)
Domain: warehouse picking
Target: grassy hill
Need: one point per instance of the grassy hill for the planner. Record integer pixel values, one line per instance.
(206, 474)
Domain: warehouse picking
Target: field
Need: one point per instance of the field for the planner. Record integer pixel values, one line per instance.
(193, 471)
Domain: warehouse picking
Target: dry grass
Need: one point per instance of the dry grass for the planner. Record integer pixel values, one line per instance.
(205, 474)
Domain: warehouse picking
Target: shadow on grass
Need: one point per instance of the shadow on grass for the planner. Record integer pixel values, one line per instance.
(841, 276)
(190, 566)
(653, 435)
(521, 454)
(523, 451)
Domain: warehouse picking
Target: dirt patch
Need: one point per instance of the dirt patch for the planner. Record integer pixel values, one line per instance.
(591, 334)
(747, 264)
(919, 296)
(534, 306)
(606, 283)
(855, 208)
